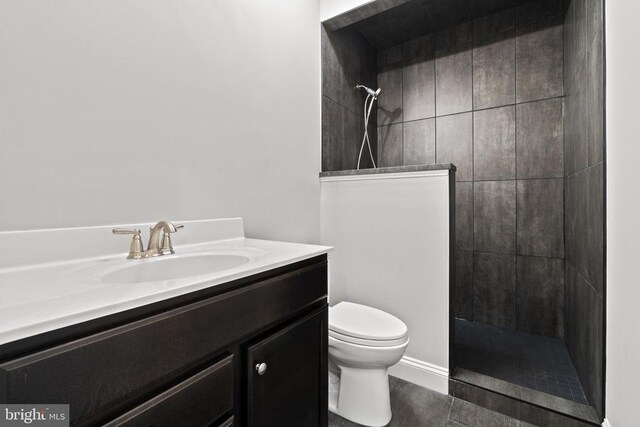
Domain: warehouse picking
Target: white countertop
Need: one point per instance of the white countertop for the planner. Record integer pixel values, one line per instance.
(48, 296)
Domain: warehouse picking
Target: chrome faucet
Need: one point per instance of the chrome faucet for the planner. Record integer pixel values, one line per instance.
(156, 247)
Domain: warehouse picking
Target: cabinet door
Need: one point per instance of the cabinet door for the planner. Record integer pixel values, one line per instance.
(287, 375)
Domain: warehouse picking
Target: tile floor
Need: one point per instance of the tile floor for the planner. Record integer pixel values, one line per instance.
(532, 361)
(415, 406)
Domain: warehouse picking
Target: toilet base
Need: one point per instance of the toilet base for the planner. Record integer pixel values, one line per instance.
(361, 395)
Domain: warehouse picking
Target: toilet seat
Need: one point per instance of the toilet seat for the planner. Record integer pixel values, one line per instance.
(363, 325)
(367, 343)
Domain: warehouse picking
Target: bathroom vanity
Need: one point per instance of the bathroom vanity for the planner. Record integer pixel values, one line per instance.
(248, 347)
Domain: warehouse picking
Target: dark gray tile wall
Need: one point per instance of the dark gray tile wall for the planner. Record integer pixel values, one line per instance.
(540, 152)
(419, 142)
(540, 296)
(584, 193)
(454, 134)
(454, 68)
(494, 220)
(487, 96)
(347, 59)
(494, 150)
(494, 281)
(540, 224)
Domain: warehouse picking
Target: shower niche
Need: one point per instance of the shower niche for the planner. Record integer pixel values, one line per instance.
(512, 93)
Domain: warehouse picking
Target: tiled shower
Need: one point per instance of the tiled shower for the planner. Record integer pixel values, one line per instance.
(512, 94)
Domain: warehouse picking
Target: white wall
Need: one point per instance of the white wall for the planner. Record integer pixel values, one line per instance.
(116, 111)
(623, 220)
(391, 239)
(331, 8)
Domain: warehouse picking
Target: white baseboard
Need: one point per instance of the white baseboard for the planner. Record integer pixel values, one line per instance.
(606, 423)
(422, 373)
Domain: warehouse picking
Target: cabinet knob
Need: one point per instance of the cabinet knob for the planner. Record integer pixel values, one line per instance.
(261, 368)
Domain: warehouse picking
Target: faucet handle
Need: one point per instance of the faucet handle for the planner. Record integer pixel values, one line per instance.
(134, 231)
(175, 226)
(136, 250)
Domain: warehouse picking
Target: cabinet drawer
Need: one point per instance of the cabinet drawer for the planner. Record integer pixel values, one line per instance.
(198, 401)
(99, 375)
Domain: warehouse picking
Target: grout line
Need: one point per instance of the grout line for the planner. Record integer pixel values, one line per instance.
(515, 148)
(453, 398)
(512, 254)
(402, 108)
(473, 173)
(514, 179)
(515, 104)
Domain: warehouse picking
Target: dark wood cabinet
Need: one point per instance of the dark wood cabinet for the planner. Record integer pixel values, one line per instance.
(186, 363)
(287, 375)
(200, 400)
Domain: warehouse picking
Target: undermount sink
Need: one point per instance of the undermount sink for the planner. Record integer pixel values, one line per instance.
(173, 267)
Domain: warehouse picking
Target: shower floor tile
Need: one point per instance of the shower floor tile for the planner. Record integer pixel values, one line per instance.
(532, 361)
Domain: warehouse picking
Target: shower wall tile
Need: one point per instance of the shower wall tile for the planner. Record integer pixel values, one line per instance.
(332, 130)
(454, 143)
(594, 100)
(494, 278)
(351, 139)
(494, 72)
(454, 77)
(579, 121)
(390, 56)
(594, 13)
(494, 144)
(418, 74)
(571, 217)
(539, 53)
(464, 285)
(390, 99)
(594, 373)
(540, 296)
(570, 277)
(540, 216)
(540, 139)
(464, 216)
(347, 59)
(584, 193)
(454, 70)
(332, 76)
(594, 244)
(495, 24)
(585, 336)
(580, 236)
(494, 224)
(419, 142)
(452, 37)
(390, 145)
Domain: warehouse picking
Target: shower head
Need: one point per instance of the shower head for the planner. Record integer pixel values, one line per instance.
(370, 91)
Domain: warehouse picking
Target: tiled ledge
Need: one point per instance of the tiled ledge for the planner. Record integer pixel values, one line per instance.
(520, 402)
(393, 169)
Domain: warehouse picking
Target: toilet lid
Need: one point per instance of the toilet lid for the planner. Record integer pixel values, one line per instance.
(361, 321)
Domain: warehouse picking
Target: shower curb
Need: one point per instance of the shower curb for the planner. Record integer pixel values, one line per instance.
(517, 407)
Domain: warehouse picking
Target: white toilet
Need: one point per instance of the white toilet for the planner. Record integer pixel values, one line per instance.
(363, 343)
